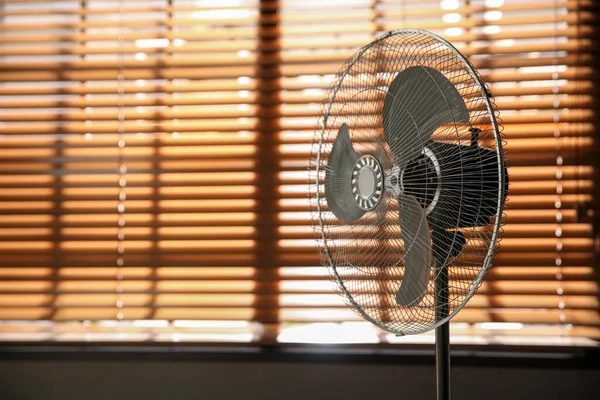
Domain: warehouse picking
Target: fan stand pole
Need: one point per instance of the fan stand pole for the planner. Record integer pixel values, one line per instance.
(442, 333)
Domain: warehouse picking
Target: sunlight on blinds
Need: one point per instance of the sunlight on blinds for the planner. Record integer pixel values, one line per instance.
(154, 155)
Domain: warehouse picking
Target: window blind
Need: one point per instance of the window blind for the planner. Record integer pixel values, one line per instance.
(153, 167)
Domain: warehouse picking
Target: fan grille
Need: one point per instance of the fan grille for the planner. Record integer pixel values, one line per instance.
(366, 257)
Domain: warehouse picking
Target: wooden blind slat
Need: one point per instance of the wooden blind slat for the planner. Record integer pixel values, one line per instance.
(424, 10)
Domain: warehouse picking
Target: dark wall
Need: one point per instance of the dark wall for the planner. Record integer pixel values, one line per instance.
(196, 379)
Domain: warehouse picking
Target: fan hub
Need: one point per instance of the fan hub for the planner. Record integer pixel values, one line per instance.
(367, 182)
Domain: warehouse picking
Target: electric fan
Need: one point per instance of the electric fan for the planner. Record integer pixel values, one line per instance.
(408, 184)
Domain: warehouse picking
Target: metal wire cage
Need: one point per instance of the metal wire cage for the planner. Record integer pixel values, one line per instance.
(462, 190)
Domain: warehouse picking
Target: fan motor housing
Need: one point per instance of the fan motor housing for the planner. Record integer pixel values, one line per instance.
(466, 191)
(421, 178)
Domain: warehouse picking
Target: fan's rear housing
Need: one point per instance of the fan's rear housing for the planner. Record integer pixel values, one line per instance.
(407, 142)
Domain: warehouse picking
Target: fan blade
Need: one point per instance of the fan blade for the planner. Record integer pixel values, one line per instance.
(419, 100)
(417, 252)
(338, 189)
